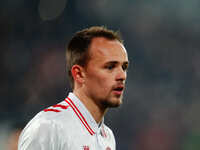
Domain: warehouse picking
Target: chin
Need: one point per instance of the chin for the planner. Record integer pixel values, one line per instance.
(113, 103)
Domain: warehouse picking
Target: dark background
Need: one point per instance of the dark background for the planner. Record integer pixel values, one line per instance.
(161, 103)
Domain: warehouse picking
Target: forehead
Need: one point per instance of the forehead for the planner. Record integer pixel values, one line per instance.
(105, 49)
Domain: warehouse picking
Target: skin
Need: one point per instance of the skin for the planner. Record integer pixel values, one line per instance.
(101, 83)
(13, 140)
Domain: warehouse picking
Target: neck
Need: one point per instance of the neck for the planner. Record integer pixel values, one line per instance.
(96, 111)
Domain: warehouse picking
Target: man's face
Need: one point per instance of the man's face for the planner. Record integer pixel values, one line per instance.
(106, 72)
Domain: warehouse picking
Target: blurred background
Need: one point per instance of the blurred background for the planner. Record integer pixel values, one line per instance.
(161, 104)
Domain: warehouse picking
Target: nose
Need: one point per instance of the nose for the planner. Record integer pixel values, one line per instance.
(121, 75)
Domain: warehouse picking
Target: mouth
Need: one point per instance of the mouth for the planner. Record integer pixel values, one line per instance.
(118, 90)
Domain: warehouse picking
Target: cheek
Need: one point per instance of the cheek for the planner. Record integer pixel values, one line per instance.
(99, 80)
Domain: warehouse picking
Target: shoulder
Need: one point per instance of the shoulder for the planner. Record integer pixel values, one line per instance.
(38, 133)
(53, 115)
(45, 128)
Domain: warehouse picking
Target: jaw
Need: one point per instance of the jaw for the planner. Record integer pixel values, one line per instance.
(112, 102)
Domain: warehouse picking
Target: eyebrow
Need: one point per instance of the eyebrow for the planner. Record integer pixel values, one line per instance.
(116, 62)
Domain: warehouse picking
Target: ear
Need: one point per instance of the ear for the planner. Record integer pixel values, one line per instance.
(78, 73)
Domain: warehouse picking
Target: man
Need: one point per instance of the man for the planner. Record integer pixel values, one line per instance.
(97, 64)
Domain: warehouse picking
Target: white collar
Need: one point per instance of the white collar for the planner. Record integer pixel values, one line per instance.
(83, 114)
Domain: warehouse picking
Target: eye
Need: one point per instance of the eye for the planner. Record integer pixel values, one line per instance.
(110, 67)
(125, 66)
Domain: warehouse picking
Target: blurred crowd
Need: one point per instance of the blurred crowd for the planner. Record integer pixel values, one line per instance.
(161, 102)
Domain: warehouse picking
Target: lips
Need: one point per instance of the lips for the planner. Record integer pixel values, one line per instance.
(118, 89)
